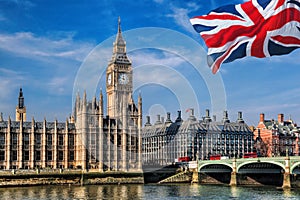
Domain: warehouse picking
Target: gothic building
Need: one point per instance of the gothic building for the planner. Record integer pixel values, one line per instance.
(277, 137)
(164, 142)
(90, 139)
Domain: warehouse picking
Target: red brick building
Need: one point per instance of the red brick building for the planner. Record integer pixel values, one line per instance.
(277, 137)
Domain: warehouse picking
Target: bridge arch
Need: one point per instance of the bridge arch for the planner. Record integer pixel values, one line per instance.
(256, 161)
(208, 164)
(294, 167)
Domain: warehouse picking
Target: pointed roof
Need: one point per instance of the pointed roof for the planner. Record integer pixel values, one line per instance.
(21, 99)
(119, 39)
(21, 93)
(119, 49)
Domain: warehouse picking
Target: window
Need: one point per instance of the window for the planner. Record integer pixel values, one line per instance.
(2, 139)
(38, 139)
(2, 155)
(14, 155)
(93, 139)
(49, 140)
(26, 141)
(49, 155)
(26, 156)
(71, 140)
(37, 155)
(14, 140)
(60, 155)
(71, 156)
(60, 139)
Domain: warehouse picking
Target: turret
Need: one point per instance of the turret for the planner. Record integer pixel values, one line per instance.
(101, 104)
(94, 104)
(140, 111)
(21, 99)
(84, 131)
(21, 109)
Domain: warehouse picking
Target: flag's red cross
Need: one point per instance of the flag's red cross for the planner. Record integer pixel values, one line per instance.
(258, 30)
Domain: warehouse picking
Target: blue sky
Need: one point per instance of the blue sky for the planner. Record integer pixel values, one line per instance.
(44, 44)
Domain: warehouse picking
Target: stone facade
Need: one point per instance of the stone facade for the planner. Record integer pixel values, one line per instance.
(87, 140)
(277, 137)
(164, 142)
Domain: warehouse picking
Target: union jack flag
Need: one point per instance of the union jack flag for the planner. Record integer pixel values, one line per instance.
(259, 28)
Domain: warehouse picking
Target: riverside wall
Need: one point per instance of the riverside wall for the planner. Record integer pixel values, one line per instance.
(31, 178)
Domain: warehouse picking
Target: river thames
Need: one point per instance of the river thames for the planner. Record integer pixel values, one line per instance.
(170, 191)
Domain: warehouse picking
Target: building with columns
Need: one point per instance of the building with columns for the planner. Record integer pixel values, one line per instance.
(166, 141)
(89, 139)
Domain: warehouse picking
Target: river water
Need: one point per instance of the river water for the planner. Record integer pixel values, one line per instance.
(172, 191)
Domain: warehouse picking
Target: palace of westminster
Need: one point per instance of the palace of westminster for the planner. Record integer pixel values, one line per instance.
(116, 141)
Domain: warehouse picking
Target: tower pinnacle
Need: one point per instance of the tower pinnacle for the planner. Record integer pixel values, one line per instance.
(119, 24)
(21, 109)
(21, 99)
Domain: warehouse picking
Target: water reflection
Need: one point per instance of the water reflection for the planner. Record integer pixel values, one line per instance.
(171, 191)
(287, 193)
(234, 191)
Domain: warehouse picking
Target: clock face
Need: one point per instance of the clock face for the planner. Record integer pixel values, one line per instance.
(123, 78)
(109, 79)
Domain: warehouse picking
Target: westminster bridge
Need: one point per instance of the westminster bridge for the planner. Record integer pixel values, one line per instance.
(281, 171)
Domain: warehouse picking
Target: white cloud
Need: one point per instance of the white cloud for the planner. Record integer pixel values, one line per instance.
(58, 84)
(181, 15)
(10, 81)
(57, 56)
(163, 58)
(28, 45)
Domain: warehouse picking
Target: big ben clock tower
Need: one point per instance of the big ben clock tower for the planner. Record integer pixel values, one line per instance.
(118, 78)
(122, 109)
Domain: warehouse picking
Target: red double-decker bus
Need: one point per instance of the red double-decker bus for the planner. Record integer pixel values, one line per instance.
(215, 157)
(184, 159)
(250, 155)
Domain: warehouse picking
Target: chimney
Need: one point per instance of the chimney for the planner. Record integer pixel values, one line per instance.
(178, 117)
(207, 117)
(214, 118)
(162, 120)
(240, 117)
(225, 117)
(261, 117)
(148, 121)
(280, 118)
(168, 118)
(207, 113)
(192, 111)
(158, 120)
